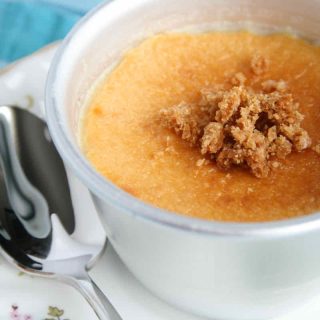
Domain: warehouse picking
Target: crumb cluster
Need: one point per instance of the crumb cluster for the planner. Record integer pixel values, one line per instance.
(237, 125)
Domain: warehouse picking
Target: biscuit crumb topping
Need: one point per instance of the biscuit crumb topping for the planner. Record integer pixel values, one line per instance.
(239, 126)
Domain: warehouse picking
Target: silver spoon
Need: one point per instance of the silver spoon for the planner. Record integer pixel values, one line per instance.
(33, 190)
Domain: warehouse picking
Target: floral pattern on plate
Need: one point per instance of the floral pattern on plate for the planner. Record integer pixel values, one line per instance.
(54, 313)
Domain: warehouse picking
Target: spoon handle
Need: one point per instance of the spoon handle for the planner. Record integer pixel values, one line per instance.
(96, 298)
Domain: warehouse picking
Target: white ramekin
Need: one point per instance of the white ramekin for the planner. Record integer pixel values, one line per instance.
(219, 270)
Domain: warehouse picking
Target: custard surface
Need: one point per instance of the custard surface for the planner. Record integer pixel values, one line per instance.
(124, 142)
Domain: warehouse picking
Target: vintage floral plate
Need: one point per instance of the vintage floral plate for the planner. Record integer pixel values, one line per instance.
(25, 298)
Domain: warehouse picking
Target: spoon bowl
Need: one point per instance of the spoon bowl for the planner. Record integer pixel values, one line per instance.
(36, 213)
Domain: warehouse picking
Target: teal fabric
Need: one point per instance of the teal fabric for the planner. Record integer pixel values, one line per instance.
(79, 5)
(27, 25)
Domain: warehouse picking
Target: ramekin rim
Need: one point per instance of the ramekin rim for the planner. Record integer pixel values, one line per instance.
(107, 191)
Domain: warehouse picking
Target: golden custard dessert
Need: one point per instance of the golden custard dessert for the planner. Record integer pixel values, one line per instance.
(221, 125)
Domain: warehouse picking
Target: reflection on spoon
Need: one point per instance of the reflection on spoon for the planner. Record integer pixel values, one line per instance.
(25, 200)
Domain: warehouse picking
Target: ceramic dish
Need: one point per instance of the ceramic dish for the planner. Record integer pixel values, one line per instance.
(219, 270)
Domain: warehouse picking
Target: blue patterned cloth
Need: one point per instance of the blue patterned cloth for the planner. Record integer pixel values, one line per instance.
(27, 25)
